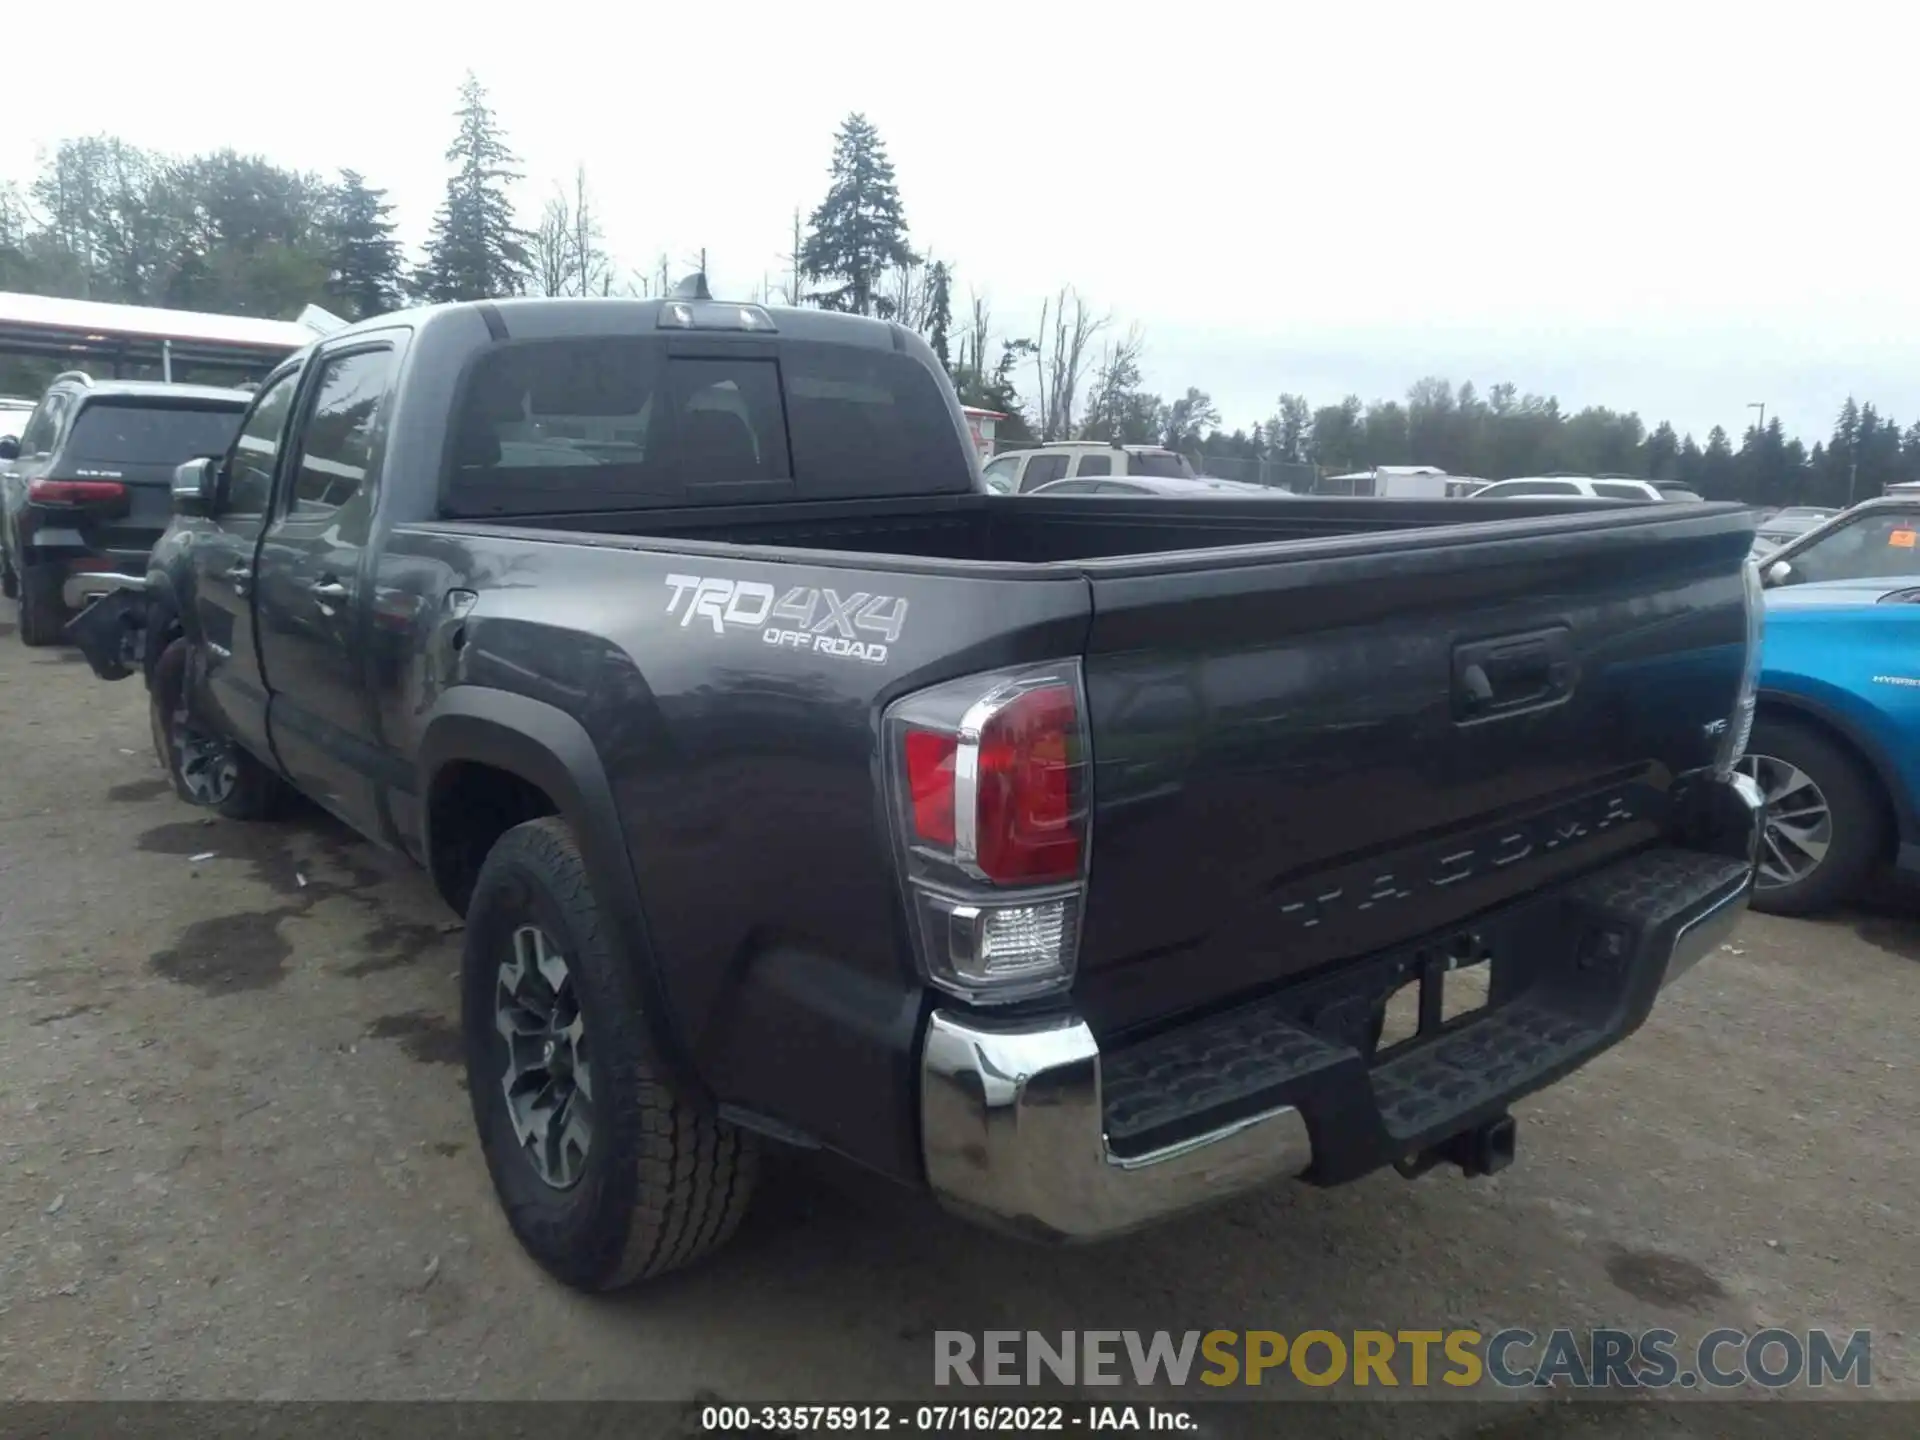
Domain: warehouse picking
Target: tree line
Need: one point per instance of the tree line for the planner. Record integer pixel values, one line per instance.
(108, 220)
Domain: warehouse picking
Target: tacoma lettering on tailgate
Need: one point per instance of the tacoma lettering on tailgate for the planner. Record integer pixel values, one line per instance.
(859, 626)
(1444, 864)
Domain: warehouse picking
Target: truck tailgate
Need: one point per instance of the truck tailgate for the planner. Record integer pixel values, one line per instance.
(1308, 752)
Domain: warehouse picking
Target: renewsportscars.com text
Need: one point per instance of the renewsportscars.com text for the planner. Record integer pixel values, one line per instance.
(1596, 1359)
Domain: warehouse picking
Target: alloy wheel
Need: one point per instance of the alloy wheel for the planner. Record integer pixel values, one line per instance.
(1799, 822)
(208, 766)
(548, 1086)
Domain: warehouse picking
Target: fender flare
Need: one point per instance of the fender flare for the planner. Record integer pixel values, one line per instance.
(1882, 768)
(547, 747)
(163, 604)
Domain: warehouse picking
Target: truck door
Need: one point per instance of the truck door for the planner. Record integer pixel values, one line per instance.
(311, 584)
(220, 602)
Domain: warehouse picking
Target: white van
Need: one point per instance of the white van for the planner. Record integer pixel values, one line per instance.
(1020, 472)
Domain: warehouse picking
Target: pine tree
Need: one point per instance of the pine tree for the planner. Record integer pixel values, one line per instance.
(476, 252)
(363, 258)
(859, 230)
(940, 310)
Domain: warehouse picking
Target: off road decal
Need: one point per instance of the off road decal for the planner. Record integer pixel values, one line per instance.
(856, 626)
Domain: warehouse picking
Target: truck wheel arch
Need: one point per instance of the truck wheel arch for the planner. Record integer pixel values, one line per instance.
(491, 759)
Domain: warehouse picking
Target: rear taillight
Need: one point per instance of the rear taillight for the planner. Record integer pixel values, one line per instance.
(75, 492)
(1746, 701)
(988, 781)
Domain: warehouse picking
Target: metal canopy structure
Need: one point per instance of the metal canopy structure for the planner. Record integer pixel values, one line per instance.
(88, 334)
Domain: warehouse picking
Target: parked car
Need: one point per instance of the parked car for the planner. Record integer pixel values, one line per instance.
(796, 792)
(1581, 485)
(1777, 528)
(1836, 745)
(1017, 472)
(1198, 488)
(84, 487)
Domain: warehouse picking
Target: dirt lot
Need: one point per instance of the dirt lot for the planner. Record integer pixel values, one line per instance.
(236, 1160)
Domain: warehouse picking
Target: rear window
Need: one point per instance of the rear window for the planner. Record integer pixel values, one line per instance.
(611, 423)
(115, 432)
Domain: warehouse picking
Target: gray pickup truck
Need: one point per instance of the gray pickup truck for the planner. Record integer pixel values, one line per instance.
(1059, 856)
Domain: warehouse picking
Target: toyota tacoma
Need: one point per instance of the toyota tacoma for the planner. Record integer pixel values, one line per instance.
(1062, 858)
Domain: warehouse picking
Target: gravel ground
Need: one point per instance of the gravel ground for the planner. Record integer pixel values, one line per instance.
(236, 1158)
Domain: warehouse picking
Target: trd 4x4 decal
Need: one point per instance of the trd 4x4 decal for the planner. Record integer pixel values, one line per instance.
(859, 626)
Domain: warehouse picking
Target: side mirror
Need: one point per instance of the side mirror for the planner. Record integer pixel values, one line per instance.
(9, 447)
(1778, 573)
(194, 485)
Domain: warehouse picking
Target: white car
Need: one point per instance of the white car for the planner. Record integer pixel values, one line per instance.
(14, 415)
(1582, 485)
(1020, 472)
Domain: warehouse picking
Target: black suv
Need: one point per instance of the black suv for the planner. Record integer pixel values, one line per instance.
(86, 489)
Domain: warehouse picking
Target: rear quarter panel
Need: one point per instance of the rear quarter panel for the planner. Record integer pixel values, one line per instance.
(744, 769)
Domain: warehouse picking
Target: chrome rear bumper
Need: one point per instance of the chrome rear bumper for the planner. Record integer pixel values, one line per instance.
(1013, 1132)
(84, 587)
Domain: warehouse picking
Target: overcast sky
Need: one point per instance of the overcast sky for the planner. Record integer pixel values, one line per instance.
(1676, 208)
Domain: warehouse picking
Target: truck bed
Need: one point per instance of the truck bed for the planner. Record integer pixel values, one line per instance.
(1275, 690)
(1006, 529)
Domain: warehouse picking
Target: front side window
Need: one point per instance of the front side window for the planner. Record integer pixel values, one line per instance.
(336, 446)
(249, 471)
(1881, 544)
(1002, 475)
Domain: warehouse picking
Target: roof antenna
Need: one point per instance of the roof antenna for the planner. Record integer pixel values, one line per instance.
(694, 287)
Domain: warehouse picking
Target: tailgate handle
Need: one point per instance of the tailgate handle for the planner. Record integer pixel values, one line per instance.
(1512, 672)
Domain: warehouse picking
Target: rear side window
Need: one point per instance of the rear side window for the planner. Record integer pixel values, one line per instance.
(1612, 490)
(44, 428)
(1043, 470)
(607, 423)
(1095, 465)
(1157, 462)
(122, 432)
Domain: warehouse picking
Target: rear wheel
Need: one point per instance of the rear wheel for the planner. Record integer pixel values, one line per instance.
(206, 768)
(1825, 825)
(42, 614)
(606, 1175)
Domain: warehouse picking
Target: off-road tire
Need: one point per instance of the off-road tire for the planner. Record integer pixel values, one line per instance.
(257, 794)
(43, 615)
(664, 1182)
(1854, 801)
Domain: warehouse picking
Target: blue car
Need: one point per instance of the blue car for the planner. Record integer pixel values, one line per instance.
(1836, 738)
